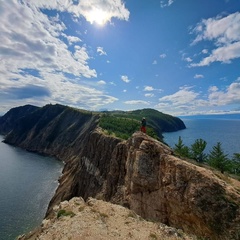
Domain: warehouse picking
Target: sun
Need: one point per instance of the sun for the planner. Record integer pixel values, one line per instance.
(98, 16)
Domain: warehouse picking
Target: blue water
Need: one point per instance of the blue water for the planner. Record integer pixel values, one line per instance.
(27, 184)
(212, 129)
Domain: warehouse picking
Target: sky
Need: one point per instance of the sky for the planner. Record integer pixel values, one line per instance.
(180, 57)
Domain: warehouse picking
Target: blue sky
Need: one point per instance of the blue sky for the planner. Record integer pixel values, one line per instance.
(181, 57)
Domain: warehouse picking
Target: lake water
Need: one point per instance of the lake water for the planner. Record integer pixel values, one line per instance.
(212, 129)
(27, 184)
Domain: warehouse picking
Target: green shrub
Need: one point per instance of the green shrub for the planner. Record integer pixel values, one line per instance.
(64, 212)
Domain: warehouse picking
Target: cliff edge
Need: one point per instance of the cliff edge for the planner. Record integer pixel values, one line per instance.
(140, 173)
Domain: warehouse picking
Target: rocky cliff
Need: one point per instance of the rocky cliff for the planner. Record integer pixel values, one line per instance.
(10, 119)
(96, 219)
(140, 173)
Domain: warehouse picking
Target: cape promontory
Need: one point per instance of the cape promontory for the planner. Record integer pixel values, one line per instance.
(140, 173)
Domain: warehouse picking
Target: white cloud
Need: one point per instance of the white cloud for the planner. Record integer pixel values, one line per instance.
(163, 55)
(154, 62)
(230, 96)
(225, 34)
(204, 51)
(149, 95)
(92, 10)
(182, 102)
(101, 51)
(38, 53)
(125, 79)
(30, 40)
(213, 89)
(188, 59)
(198, 76)
(71, 39)
(187, 101)
(101, 82)
(148, 88)
(183, 96)
(136, 102)
(166, 3)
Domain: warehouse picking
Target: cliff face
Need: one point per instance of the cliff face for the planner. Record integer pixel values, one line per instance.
(159, 186)
(140, 173)
(9, 120)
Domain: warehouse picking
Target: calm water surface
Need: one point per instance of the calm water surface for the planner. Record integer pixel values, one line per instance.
(27, 184)
(212, 129)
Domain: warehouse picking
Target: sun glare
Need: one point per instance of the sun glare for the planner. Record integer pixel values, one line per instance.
(98, 16)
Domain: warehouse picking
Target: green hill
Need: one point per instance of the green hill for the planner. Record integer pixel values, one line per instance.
(124, 123)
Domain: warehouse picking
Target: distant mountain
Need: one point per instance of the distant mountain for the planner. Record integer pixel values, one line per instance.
(159, 121)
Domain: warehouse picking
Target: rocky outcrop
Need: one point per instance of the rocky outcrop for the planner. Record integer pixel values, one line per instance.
(140, 173)
(161, 187)
(96, 219)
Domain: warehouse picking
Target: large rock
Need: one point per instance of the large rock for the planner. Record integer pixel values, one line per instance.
(96, 219)
(161, 187)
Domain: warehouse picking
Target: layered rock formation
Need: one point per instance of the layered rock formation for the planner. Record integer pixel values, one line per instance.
(140, 173)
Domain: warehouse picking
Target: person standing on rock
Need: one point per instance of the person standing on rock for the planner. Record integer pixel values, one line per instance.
(144, 123)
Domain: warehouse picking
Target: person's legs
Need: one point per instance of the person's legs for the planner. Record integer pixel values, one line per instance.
(143, 129)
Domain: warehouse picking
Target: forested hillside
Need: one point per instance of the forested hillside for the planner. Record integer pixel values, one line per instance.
(124, 123)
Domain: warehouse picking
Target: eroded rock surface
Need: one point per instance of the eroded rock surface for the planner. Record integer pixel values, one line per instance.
(96, 219)
(143, 175)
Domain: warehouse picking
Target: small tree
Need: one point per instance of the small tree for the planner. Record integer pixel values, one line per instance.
(218, 159)
(197, 150)
(180, 149)
(235, 163)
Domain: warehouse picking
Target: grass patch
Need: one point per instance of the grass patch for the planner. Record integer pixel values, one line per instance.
(65, 213)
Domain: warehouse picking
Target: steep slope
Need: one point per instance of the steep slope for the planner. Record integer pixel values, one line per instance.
(9, 120)
(53, 130)
(140, 173)
(159, 186)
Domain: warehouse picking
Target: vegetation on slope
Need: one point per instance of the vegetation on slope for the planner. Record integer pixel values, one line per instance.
(124, 123)
(216, 158)
(121, 124)
(122, 127)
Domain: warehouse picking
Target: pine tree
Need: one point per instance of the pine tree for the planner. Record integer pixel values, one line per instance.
(197, 150)
(236, 163)
(180, 149)
(218, 159)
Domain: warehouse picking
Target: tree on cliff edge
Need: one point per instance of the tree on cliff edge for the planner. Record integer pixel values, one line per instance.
(218, 159)
(197, 149)
(180, 149)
